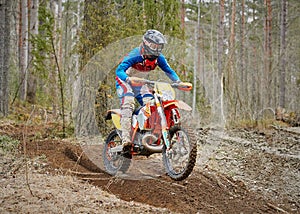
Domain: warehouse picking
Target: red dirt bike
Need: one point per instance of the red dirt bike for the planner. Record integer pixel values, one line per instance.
(156, 128)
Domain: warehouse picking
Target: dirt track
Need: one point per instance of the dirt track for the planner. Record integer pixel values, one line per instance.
(227, 182)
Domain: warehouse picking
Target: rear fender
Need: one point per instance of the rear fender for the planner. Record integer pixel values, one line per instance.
(115, 116)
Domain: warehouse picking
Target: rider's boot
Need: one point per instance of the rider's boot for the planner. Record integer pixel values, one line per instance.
(125, 128)
(125, 122)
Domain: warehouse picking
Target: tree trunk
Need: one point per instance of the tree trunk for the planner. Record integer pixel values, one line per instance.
(268, 54)
(221, 37)
(219, 109)
(244, 75)
(5, 7)
(54, 91)
(59, 36)
(24, 50)
(232, 82)
(283, 28)
(182, 15)
(197, 59)
(32, 81)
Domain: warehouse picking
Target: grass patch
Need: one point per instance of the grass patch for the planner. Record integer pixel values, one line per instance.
(7, 144)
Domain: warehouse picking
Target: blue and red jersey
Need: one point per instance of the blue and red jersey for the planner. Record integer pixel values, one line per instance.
(135, 60)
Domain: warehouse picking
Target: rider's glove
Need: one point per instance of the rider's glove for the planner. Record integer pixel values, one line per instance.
(184, 86)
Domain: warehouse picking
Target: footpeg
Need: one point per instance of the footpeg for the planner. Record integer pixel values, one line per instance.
(116, 149)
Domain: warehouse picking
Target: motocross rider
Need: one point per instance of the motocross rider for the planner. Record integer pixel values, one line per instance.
(137, 63)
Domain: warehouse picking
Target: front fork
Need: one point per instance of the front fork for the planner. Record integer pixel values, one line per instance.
(162, 115)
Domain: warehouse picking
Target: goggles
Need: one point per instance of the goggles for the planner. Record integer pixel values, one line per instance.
(153, 46)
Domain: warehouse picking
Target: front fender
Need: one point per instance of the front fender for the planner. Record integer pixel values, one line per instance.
(179, 104)
(184, 106)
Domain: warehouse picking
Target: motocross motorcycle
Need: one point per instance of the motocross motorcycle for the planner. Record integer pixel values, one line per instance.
(156, 128)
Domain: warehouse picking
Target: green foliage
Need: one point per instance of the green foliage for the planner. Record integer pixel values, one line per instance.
(42, 43)
(164, 16)
(298, 82)
(7, 144)
(203, 105)
(99, 28)
(103, 94)
(45, 44)
(105, 22)
(43, 55)
(131, 19)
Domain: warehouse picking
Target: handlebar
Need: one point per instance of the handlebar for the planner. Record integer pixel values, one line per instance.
(184, 86)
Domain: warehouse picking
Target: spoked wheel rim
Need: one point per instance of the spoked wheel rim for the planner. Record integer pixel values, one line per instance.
(112, 157)
(114, 161)
(180, 159)
(178, 155)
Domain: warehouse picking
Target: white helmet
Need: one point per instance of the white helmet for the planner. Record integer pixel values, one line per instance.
(153, 42)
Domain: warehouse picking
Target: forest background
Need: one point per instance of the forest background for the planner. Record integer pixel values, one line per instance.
(245, 58)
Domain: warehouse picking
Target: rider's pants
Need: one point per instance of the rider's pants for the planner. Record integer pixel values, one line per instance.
(126, 94)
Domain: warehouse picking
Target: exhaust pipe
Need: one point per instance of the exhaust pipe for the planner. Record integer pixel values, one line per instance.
(153, 149)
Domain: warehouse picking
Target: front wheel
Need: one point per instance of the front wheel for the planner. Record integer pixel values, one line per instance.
(180, 160)
(114, 161)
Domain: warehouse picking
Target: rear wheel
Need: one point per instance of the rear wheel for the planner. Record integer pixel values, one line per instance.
(114, 161)
(180, 160)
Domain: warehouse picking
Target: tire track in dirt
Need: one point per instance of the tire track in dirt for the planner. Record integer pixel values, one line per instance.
(205, 191)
